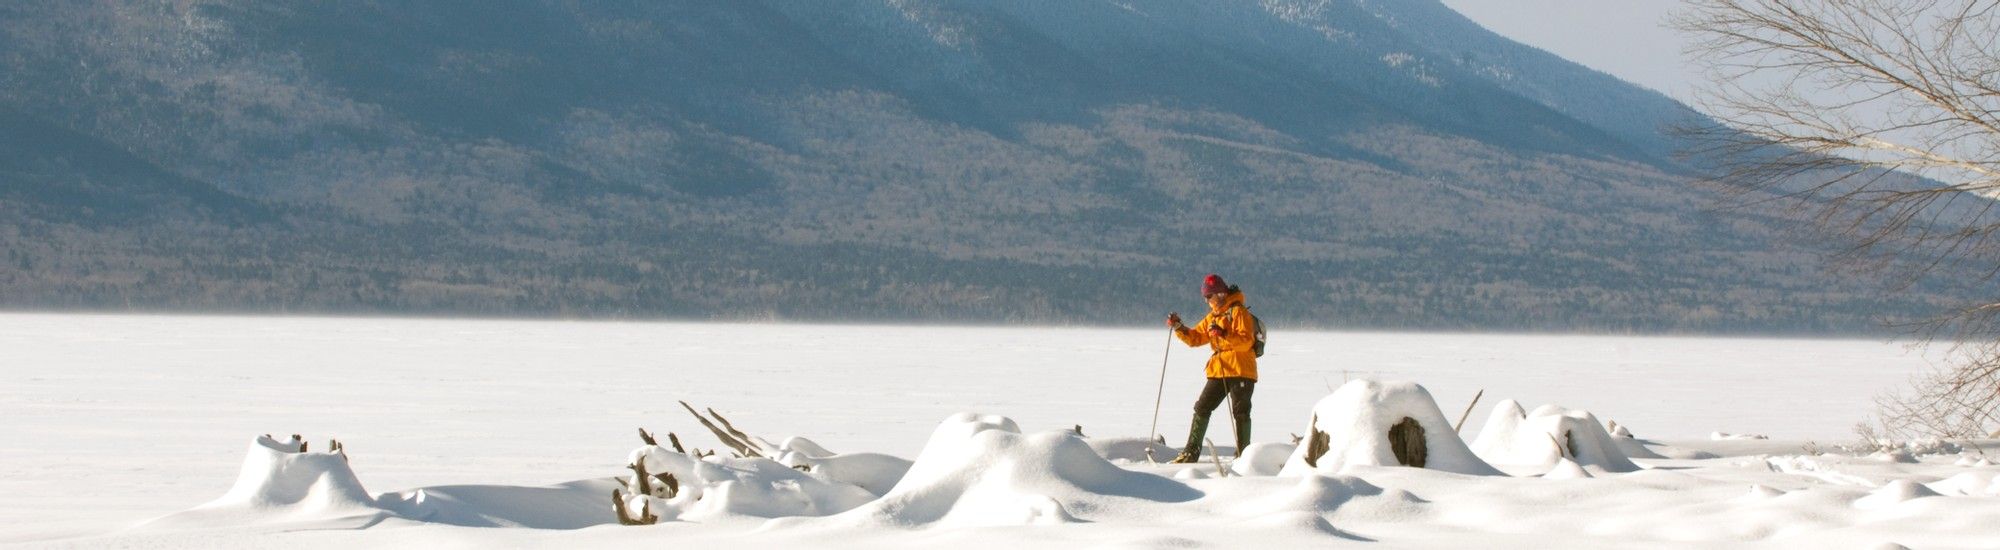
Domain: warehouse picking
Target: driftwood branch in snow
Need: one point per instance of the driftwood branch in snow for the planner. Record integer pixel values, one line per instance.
(676, 440)
(755, 449)
(1216, 454)
(669, 482)
(742, 447)
(648, 437)
(625, 517)
(1460, 426)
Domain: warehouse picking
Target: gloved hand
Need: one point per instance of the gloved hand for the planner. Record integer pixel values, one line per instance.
(1174, 320)
(1214, 332)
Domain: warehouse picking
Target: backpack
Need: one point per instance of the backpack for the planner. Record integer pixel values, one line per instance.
(1257, 346)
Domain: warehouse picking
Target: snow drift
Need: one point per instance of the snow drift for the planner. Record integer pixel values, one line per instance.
(1132, 449)
(1550, 437)
(1370, 423)
(281, 482)
(980, 470)
(874, 472)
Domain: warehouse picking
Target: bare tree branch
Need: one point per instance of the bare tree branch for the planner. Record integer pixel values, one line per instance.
(1878, 123)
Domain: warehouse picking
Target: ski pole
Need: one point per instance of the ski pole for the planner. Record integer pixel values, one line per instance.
(1161, 392)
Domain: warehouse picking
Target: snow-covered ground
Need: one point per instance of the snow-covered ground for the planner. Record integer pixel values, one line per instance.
(107, 422)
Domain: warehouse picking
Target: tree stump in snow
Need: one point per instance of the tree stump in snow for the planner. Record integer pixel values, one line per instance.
(1406, 440)
(1319, 444)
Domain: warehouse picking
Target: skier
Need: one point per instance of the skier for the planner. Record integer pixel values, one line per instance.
(1230, 332)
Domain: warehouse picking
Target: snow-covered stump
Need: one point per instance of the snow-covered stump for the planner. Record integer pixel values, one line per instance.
(283, 481)
(1370, 423)
(284, 474)
(1565, 442)
(980, 470)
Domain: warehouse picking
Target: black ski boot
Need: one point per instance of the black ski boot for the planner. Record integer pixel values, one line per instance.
(1242, 433)
(1192, 451)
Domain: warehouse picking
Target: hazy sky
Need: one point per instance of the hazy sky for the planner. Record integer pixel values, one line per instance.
(1626, 38)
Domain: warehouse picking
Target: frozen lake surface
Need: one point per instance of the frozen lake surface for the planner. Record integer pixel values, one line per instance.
(430, 402)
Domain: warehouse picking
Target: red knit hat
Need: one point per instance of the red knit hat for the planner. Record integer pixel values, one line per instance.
(1212, 284)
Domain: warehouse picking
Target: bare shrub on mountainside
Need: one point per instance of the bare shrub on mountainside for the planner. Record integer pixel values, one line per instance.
(1879, 121)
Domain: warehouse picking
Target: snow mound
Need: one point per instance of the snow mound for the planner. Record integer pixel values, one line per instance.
(1893, 493)
(804, 447)
(1301, 522)
(1633, 447)
(980, 470)
(1263, 459)
(572, 505)
(1132, 449)
(281, 482)
(1548, 436)
(1370, 423)
(1760, 492)
(1567, 469)
(1895, 456)
(1970, 484)
(875, 472)
(1320, 494)
(1617, 430)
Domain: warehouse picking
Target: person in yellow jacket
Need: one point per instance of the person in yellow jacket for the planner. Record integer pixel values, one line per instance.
(1229, 332)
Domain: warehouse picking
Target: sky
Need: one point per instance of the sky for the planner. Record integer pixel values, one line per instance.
(1627, 38)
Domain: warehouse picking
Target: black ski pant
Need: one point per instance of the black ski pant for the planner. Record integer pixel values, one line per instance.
(1238, 391)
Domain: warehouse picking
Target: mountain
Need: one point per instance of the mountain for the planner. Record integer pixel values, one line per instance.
(1349, 162)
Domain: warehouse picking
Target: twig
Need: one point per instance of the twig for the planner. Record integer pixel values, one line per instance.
(1460, 427)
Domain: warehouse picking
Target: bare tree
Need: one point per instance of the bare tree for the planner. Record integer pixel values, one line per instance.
(1879, 121)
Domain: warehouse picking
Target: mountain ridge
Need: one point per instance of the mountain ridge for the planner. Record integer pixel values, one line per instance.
(994, 160)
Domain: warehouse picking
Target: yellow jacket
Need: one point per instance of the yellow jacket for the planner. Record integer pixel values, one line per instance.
(1231, 354)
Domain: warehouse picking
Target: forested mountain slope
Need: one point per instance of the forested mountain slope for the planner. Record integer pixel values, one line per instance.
(1351, 163)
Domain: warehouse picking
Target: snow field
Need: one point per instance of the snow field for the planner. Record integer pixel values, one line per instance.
(512, 434)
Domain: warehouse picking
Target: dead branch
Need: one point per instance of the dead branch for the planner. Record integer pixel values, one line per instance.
(1460, 427)
(741, 447)
(1215, 453)
(750, 442)
(641, 481)
(625, 517)
(667, 481)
